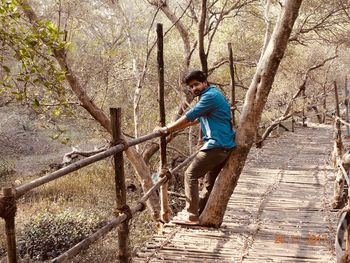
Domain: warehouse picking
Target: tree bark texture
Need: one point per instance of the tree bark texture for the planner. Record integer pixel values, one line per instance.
(255, 101)
(180, 28)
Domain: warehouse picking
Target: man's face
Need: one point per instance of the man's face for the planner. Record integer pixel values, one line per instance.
(196, 87)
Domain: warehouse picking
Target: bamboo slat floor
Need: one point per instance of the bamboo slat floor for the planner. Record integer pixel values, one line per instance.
(279, 212)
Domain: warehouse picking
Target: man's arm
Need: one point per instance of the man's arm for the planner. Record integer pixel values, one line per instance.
(179, 124)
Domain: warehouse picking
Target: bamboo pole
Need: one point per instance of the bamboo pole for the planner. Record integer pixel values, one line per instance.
(304, 105)
(232, 83)
(123, 231)
(164, 198)
(337, 130)
(21, 190)
(324, 104)
(346, 92)
(347, 244)
(293, 120)
(118, 220)
(89, 240)
(10, 229)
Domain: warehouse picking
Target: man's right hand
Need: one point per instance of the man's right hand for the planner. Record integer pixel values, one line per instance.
(163, 130)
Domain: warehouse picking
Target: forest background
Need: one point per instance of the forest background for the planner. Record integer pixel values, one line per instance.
(108, 50)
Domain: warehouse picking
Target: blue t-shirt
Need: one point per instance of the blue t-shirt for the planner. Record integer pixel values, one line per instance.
(214, 113)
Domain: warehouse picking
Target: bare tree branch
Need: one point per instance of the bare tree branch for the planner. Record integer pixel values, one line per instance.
(301, 89)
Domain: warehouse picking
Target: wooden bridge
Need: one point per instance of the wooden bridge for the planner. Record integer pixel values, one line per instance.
(280, 210)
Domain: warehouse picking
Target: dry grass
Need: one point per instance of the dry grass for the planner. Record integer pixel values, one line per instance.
(90, 189)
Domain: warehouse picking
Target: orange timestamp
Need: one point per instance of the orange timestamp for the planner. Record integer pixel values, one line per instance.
(310, 239)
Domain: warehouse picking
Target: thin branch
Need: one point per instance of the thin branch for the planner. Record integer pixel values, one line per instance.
(301, 90)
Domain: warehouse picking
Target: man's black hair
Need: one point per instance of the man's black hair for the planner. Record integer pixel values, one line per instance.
(195, 75)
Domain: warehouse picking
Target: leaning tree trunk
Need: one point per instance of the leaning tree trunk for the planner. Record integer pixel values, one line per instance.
(141, 168)
(255, 101)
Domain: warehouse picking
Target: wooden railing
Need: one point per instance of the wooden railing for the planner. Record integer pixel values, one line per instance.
(8, 204)
(8, 200)
(342, 239)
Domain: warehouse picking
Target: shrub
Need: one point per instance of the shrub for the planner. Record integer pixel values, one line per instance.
(6, 167)
(47, 234)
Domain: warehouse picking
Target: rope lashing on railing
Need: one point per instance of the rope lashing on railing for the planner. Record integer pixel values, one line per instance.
(122, 217)
(123, 210)
(164, 172)
(121, 141)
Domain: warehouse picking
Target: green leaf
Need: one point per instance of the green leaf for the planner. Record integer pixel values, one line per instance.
(36, 103)
(57, 112)
(19, 97)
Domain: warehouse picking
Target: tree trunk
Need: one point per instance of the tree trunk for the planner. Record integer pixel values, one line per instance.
(180, 28)
(255, 101)
(141, 168)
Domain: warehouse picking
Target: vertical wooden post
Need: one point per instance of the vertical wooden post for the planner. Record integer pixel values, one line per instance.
(293, 120)
(324, 103)
(337, 132)
(337, 109)
(304, 104)
(232, 83)
(347, 238)
(123, 230)
(346, 101)
(165, 211)
(10, 230)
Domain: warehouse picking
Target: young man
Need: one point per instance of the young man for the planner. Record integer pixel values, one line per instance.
(214, 115)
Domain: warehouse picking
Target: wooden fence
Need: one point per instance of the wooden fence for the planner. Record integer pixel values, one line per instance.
(8, 200)
(342, 240)
(8, 204)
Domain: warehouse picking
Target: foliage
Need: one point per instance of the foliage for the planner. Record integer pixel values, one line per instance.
(6, 167)
(49, 234)
(29, 72)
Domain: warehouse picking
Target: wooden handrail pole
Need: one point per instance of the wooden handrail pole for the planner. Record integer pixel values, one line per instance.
(337, 132)
(123, 230)
(347, 238)
(10, 228)
(304, 105)
(337, 109)
(232, 83)
(346, 102)
(165, 211)
(293, 120)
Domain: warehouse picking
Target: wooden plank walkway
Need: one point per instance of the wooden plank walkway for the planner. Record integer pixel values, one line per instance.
(279, 212)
